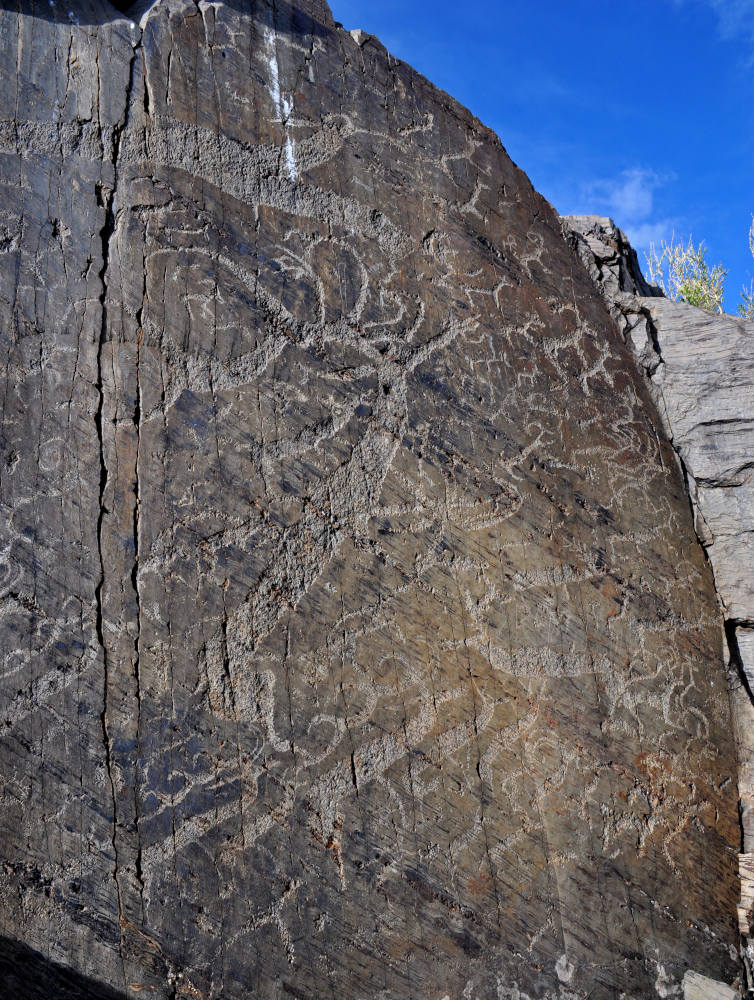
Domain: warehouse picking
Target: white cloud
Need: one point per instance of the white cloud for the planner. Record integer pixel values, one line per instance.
(629, 199)
(641, 236)
(735, 17)
(630, 196)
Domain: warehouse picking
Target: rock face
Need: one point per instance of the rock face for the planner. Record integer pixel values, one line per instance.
(701, 372)
(705, 386)
(706, 382)
(356, 640)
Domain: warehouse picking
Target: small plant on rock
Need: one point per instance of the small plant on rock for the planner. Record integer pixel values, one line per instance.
(685, 276)
(746, 306)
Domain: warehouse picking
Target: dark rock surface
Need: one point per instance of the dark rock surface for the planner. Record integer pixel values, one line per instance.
(28, 974)
(356, 640)
(700, 368)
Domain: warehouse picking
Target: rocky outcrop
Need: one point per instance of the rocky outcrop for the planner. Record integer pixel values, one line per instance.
(706, 384)
(701, 371)
(355, 637)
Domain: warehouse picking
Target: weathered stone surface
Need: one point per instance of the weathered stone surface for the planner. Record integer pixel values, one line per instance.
(696, 987)
(608, 256)
(701, 371)
(356, 641)
(613, 266)
(26, 974)
(745, 640)
(707, 387)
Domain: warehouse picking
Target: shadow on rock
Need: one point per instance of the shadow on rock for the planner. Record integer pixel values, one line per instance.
(25, 973)
(305, 19)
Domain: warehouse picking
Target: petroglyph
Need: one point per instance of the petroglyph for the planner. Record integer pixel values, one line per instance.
(355, 636)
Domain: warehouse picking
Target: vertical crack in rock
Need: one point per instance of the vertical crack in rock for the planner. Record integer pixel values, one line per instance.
(135, 576)
(107, 231)
(106, 198)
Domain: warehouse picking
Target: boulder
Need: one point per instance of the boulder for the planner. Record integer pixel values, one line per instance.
(355, 636)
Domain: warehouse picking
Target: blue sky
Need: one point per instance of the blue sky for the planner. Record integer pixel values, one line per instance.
(642, 110)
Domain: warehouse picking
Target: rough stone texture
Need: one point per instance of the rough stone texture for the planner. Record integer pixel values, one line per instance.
(355, 637)
(696, 987)
(613, 266)
(701, 371)
(707, 386)
(611, 261)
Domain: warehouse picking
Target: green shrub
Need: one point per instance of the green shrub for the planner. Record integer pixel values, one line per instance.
(685, 276)
(746, 307)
